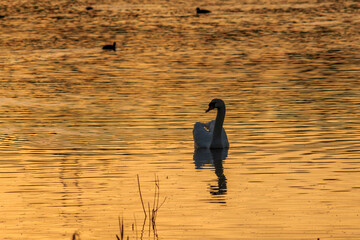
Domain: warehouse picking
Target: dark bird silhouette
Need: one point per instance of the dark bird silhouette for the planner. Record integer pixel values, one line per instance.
(110, 47)
(89, 8)
(200, 11)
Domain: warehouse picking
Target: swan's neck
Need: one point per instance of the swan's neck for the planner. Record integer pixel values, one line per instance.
(216, 139)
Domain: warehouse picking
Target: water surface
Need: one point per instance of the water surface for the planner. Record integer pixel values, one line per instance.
(78, 124)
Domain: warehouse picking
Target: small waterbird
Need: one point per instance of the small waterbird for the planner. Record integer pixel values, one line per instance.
(200, 11)
(110, 47)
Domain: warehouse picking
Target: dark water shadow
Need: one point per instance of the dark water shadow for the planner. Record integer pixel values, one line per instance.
(215, 158)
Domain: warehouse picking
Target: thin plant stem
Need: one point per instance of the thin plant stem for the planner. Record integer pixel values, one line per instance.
(143, 229)
(152, 211)
(136, 231)
(121, 228)
(142, 202)
(149, 217)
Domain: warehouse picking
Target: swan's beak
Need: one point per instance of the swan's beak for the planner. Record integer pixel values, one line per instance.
(211, 107)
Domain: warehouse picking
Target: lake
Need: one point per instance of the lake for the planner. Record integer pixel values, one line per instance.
(79, 125)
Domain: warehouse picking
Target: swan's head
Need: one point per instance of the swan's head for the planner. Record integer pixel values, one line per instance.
(215, 103)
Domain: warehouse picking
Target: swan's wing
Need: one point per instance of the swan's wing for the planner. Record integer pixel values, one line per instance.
(210, 125)
(202, 137)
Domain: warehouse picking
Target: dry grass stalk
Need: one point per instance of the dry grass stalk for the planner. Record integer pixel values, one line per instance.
(76, 236)
(121, 228)
(142, 202)
(152, 213)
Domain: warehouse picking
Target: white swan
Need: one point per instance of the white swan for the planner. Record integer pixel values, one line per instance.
(212, 134)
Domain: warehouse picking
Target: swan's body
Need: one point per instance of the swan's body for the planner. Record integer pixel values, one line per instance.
(212, 134)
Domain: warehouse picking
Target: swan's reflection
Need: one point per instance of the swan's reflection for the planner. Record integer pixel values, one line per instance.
(214, 157)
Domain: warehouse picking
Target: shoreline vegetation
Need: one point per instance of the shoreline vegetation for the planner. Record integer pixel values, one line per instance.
(150, 216)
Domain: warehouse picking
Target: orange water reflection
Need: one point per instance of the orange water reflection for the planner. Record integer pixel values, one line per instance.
(78, 124)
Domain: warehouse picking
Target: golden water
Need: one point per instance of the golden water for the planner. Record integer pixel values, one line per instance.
(79, 124)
